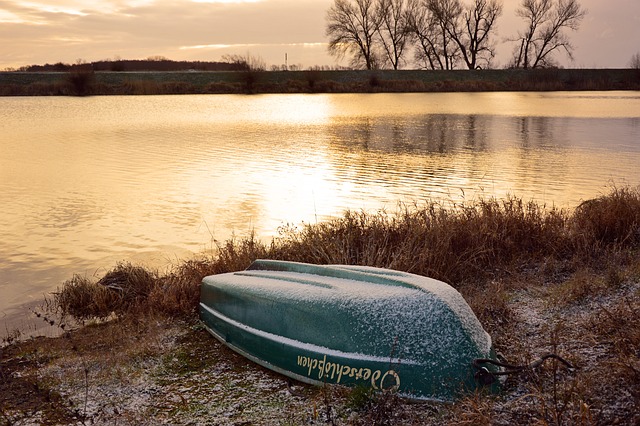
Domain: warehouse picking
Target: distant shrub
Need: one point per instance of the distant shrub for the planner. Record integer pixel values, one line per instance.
(312, 77)
(81, 79)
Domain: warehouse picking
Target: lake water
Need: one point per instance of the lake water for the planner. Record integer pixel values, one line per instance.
(86, 182)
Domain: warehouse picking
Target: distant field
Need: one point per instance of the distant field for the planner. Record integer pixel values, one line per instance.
(188, 82)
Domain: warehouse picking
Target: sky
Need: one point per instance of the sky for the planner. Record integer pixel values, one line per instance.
(50, 31)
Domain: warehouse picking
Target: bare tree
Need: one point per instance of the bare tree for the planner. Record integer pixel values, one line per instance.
(446, 13)
(157, 58)
(393, 30)
(546, 22)
(446, 32)
(246, 62)
(428, 21)
(352, 26)
(472, 29)
(424, 29)
(251, 69)
(634, 63)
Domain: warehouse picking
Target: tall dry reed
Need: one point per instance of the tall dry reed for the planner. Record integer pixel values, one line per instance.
(466, 244)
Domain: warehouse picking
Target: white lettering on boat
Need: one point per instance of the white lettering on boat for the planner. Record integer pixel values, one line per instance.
(322, 369)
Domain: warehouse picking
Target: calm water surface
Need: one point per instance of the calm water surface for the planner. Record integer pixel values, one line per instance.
(85, 182)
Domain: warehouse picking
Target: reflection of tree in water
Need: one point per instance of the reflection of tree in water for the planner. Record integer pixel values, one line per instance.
(449, 133)
(361, 133)
(428, 134)
(541, 160)
(411, 156)
(535, 131)
(434, 154)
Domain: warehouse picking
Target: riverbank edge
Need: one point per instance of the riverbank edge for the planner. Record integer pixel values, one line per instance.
(86, 83)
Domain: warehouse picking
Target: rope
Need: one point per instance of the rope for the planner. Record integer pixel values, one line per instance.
(486, 377)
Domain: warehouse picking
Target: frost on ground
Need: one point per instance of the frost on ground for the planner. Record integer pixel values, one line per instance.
(157, 373)
(164, 371)
(173, 374)
(596, 391)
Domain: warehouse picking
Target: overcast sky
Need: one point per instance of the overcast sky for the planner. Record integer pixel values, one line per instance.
(49, 31)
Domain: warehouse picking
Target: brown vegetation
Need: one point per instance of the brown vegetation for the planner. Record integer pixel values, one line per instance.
(539, 279)
(312, 81)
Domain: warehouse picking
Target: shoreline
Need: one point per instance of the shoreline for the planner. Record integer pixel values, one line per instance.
(104, 83)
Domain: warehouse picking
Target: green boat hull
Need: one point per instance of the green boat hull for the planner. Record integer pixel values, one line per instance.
(349, 325)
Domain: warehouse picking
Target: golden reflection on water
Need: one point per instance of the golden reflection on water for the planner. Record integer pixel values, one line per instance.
(85, 182)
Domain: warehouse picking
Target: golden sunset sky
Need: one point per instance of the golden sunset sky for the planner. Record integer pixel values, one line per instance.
(49, 31)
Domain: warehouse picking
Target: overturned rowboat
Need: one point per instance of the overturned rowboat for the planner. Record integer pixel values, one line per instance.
(349, 325)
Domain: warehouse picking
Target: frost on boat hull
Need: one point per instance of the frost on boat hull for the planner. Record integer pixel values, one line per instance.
(348, 325)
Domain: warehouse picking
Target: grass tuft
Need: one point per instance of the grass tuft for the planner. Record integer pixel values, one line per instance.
(82, 299)
(610, 219)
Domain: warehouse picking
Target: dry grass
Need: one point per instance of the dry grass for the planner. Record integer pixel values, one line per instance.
(457, 244)
(123, 288)
(618, 327)
(613, 219)
(466, 245)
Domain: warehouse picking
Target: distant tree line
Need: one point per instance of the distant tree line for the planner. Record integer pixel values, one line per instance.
(447, 34)
(150, 64)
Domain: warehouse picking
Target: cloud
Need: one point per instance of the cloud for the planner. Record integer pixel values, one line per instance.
(64, 30)
(9, 17)
(226, 1)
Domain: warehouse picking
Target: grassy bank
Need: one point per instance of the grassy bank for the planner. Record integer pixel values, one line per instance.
(149, 83)
(539, 279)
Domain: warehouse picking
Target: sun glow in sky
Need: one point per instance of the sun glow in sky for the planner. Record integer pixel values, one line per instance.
(41, 31)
